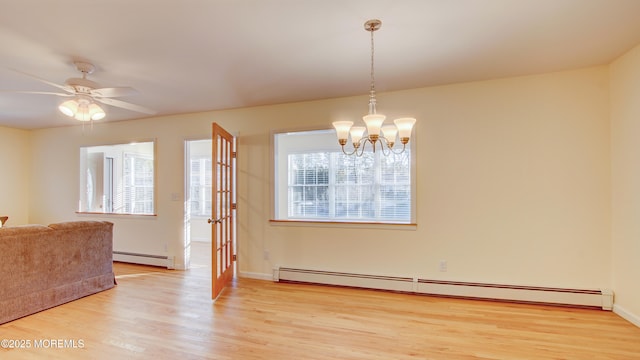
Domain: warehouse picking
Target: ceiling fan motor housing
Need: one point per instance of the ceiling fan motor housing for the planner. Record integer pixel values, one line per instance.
(82, 86)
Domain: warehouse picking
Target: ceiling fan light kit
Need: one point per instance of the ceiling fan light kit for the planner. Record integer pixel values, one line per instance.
(82, 108)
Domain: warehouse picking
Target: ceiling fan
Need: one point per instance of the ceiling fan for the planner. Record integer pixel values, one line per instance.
(85, 93)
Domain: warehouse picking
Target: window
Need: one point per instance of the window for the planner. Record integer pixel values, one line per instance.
(315, 181)
(117, 179)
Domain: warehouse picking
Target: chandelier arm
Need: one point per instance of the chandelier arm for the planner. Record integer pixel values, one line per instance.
(346, 153)
(389, 149)
(385, 146)
(401, 150)
(363, 144)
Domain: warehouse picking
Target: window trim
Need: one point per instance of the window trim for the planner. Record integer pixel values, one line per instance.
(411, 225)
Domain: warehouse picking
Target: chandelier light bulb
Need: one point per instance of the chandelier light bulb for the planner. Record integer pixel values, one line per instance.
(373, 122)
(342, 130)
(357, 132)
(405, 125)
(389, 132)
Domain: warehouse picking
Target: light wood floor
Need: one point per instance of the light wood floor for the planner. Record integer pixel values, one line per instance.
(163, 314)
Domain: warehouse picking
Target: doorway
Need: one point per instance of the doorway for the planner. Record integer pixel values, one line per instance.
(210, 207)
(198, 204)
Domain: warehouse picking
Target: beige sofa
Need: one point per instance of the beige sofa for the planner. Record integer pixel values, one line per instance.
(45, 266)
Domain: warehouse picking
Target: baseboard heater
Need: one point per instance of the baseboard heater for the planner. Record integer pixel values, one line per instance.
(145, 259)
(602, 299)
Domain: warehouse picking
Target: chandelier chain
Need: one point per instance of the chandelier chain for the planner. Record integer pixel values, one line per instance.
(373, 80)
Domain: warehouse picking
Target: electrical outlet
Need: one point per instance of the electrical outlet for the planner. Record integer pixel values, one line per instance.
(443, 265)
(265, 254)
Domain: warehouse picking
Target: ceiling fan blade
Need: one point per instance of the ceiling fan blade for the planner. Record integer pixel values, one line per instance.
(125, 105)
(37, 92)
(114, 92)
(63, 87)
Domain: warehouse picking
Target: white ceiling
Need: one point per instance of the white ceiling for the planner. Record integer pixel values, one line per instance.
(196, 55)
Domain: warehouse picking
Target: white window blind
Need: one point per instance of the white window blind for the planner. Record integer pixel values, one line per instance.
(138, 184)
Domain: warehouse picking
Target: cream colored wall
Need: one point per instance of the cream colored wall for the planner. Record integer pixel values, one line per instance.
(55, 182)
(513, 187)
(513, 183)
(14, 175)
(625, 135)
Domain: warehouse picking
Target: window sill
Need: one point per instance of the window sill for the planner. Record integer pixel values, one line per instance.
(344, 224)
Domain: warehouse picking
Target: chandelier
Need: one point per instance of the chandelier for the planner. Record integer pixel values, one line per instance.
(82, 108)
(374, 120)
